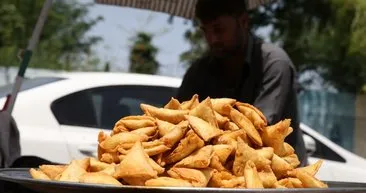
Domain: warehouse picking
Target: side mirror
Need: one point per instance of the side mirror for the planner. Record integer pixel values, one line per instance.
(310, 144)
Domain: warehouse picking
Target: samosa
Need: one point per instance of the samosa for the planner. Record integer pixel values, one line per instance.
(201, 158)
(169, 115)
(137, 124)
(292, 159)
(167, 182)
(219, 105)
(231, 126)
(72, 173)
(205, 112)
(188, 105)
(223, 151)
(38, 174)
(221, 120)
(252, 179)
(230, 138)
(253, 114)
(280, 167)
(267, 176)
(135, 165)
(175, 135)
(245, 153)
(203, 128)
(198, 178)
(52, 170)
(216, 164)
(310, 169)
(225, 179)
(173, 104)
(164, 127)
(274, 136)
(309, 181)
(244, 123)
(290, 183)
(99, 178)
(146, 144)
(266, 152)
(125, 137)
(186, 146)
(155, 150)
(96, 166)
(146, 131)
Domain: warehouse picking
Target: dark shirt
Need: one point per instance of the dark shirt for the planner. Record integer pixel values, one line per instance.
(268, 83)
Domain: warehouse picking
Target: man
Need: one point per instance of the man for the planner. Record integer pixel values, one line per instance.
(240, 66)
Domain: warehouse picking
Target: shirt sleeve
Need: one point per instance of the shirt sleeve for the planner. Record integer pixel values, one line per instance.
(275, 90)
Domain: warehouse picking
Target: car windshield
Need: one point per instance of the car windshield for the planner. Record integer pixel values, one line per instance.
(28, 84)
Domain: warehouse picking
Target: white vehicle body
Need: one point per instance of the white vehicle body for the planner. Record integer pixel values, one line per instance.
(43, 134)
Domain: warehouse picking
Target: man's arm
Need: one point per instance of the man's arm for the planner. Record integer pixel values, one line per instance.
(276, 88)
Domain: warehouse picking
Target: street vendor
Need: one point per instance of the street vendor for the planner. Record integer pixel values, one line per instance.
(239, 65)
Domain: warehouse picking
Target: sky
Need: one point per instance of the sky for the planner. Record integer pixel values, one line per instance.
(120, 24)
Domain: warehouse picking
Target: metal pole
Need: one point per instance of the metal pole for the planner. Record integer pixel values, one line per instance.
(28, 54)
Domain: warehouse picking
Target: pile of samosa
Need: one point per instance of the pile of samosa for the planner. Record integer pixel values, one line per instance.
(217, 142)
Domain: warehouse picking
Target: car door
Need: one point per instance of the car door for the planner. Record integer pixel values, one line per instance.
(84, 114)
(77, 116)
(336, 166)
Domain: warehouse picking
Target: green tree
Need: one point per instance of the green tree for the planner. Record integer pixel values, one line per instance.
(63, 44)
(142, 55)
(11, 24)
(324, 36)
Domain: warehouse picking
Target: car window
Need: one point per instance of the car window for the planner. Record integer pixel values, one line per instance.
(324, 152)
(102, 107)
(76, 109)
(28, 84)
(121, 101)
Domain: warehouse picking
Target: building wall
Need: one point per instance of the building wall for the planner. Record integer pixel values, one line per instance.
(330, 114)
(341, 117)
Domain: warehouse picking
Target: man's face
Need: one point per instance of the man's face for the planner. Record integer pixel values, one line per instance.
(225, 35)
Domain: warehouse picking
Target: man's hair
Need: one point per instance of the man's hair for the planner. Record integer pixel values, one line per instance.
(207, 10)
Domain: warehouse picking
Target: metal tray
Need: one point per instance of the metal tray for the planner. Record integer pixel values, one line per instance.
(21, 176)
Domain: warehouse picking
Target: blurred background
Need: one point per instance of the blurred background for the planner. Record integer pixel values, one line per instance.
(324, 38)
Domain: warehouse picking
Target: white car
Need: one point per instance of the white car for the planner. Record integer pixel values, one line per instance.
(59, 117)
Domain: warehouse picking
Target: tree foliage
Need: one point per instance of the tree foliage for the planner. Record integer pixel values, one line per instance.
(63, 43)
(324, 36)
(142, 55)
